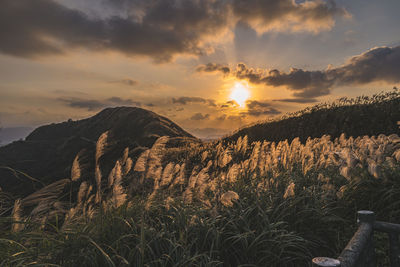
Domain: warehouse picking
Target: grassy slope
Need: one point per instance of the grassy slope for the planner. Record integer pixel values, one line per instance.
(357, 117)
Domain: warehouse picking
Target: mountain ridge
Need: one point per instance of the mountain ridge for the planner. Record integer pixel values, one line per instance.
(48, 152)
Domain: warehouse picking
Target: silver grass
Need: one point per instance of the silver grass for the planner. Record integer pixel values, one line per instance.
(243, 148)
(76, 169)
(118, 192)
(16, 215)
(101, 145)
(255, 156)
(289, 191)
(115, 174)
(83, 188)
(202, 179)
(233, 173)
(224, 158)
(47, 193)
(168, 202)
(98, 177)
(155, 157)
(373, 168)
(100, 149)
(180, 179)
(141, 162)
(345, 172)
(167, 175)
(204, 156)
(125, 156)
(41, 209)
(227, 198)
(396, 155)
(238, 146)
(128, 166)
(391, 162)
(157, 177)
(89, 191)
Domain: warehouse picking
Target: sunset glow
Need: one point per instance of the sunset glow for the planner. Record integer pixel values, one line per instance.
(211, 65)
(240, 93)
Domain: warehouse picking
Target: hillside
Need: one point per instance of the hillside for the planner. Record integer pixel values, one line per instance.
(365, 115)
(48, 152)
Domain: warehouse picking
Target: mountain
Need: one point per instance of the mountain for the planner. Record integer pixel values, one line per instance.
(10, 134)
(46, 155)
(379, 114)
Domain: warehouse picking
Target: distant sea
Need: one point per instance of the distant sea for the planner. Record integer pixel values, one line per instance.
(11, 134)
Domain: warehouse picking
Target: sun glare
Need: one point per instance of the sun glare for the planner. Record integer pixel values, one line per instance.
(240, 93)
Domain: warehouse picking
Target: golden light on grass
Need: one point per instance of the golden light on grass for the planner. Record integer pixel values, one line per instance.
(240, 93)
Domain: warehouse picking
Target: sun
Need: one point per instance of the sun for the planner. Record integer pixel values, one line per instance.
(240, 93)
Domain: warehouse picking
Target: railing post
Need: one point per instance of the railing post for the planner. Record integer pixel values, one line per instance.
(394, 250)
(365, 216)
(368, 255)
(325, 262)
(360, 251)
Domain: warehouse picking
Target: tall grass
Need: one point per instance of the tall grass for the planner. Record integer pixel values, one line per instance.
(237, 203)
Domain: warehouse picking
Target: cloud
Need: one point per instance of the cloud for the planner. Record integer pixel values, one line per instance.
(159, 29)
(221, 118)
(230, 104)
(213, 67)
(257, 109)
(183, 100)
(93, 105)
(128, 82)
(380, 64)
(264, 15)
(122, 102)
(88, 104)
(297, 100)
(236, 117)
(200, 116)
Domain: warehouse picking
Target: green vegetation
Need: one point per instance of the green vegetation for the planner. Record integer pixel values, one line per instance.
(226, 203)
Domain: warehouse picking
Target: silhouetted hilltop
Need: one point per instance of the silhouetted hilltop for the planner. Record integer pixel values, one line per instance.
(361, 116)
(134, 123)
(48, 152)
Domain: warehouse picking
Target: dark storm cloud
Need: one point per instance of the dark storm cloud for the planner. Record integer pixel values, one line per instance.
(31, 28)
(157, 28)
(92, 105)
(200, 116)
(183, 100)
(381, 64)
(257, 108)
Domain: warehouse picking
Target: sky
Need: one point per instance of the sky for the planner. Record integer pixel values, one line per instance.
(211, 66)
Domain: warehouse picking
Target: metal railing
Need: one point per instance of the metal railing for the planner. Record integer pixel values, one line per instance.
(360, 251)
